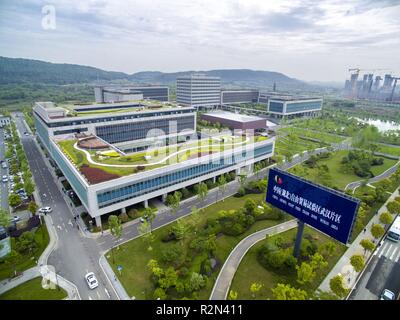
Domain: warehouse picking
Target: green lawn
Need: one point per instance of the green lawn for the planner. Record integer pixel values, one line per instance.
(250, 270)
(33, 290)
(24, 262)
(339, 177)
(389, 149)
(134, 257)
(322, 136)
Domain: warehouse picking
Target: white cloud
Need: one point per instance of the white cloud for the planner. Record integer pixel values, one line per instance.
(307, 39)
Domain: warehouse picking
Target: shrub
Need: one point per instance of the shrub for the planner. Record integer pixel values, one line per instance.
(173, 254)
(241, 192)
(278, 259)
(123, 217)
(185, 193)
(133, 213)
(170, 236)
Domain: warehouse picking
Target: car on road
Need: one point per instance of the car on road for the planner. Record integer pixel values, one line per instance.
(144, 218)
(387, 295)
(45, 210)
(4, 179)
(4, 165)
(91, 280)
(26, 133)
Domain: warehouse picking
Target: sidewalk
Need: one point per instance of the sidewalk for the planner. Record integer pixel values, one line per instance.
(343, 266)
(228, 270)
(115, 283)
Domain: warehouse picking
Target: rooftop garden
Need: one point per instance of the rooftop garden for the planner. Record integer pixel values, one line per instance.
(99, 166)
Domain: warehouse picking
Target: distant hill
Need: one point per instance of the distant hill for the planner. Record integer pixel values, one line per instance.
(26, 70)
(16, 70)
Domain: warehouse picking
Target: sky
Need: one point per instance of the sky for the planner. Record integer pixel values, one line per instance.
(312, 40)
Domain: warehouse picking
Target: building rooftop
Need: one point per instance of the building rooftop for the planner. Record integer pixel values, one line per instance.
(106, 162)
(233, 116)
(291, 98)
(93, 108)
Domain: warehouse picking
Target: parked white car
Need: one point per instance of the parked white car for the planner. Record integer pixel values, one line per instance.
(91, 280)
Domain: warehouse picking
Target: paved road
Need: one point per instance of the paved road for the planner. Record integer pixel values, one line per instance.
(74, 255)
(383, 272)
(4, 186)
(383, 175)
(228, 270)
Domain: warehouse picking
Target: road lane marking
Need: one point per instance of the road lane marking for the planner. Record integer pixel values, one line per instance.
(98, 294)
(382, 249)
(394, 251)
(90, 298)
(388, 251)
(398, 256)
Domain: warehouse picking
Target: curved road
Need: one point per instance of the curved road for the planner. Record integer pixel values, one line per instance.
(228, 270)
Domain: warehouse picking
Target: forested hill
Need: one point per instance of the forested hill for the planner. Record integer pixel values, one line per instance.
(26, 70)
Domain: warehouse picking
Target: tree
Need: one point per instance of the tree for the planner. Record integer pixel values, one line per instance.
(305, 273)
(377, 231)
(328, 249)
(386, 218)
(150, 214)
(155, 268)
(287, 292)
(337, 286)
(29, 187)
(32, 207)
(357, 261)
(255, 287)
(318, 262)
(173, 201)
(148, 237)
(367, 245)
(233, 295)
(14, 200)
(393, 207)
(169, 280)
(221, 185)
(26, 242)
(160, 294)
(4, 218)
(196, 282)
(202, 191)
(115, 229)
(181, 230)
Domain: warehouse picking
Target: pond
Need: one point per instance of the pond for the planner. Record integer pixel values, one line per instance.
(381, 125)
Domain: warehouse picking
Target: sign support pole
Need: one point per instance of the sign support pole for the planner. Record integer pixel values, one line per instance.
(297, 245)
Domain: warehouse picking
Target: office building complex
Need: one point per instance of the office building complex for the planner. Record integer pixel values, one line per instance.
(239, 96)
(288, 105)
(236, 120)
(118, 155)
(104, 94)
(197, 90)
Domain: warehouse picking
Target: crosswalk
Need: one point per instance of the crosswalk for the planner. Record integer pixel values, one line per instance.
(389, 250)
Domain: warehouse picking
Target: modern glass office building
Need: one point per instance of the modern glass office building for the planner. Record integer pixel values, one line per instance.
(130, 182)
(286, 106)
(198, 90)
(105, 94)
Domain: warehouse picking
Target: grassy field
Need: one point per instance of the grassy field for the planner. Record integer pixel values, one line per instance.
(25, 262)
(389, 150)
(33, 290)
(134, 257)
(250, 270)
(294, 145)
(340, 178)
(322, 136)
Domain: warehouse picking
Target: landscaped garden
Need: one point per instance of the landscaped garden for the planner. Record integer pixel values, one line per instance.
(111, 167)
(33, 290)
(185, 256)
(25, 251)
(270, 262)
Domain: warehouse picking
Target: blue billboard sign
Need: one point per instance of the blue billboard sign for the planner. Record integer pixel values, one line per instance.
(325, 209)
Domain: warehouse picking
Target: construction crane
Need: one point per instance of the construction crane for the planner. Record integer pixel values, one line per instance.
(394, 87)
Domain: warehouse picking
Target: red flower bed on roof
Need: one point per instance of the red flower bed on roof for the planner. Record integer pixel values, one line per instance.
(96, 175)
